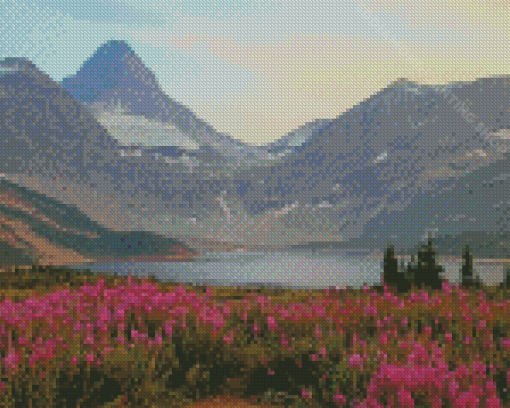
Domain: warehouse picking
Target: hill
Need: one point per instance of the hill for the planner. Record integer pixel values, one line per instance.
(36, 229)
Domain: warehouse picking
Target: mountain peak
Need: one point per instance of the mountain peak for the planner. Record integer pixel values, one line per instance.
(115, 51)
(112, 66)
(117, 45)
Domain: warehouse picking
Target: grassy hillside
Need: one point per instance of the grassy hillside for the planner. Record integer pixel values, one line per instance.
(34, 227)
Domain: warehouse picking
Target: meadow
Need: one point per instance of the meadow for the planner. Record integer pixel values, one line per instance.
(82, 339)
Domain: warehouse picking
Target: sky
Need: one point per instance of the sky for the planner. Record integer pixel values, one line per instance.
(258, 69)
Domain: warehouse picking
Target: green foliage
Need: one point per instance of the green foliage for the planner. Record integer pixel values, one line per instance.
(391, 276)
(426, 272)
(390, 271)
(467, 268)
(10, 255)
(506, 279)
(468, 280)
(423, 274)
(193, 365)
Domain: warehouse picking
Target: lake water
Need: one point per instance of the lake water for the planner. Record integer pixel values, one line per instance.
(303, 269)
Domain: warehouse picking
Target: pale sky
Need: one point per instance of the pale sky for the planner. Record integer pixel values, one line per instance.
(261, 68)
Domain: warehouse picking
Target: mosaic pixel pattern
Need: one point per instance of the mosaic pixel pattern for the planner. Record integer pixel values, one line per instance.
(283, 143)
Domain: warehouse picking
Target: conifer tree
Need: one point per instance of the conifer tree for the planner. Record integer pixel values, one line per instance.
(467, 268)
(390, 269)
(391, 275)
(468, 278)
(409, 274)
(506, 276)
(402, 267)
(426, 272)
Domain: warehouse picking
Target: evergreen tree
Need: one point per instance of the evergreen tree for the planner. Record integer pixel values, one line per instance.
(402, 267)
(390, 270)
(506, 276)
(404, 283)
(468, 279)
(426, 272)
(391, 275)
(467, 268)
(411, 268)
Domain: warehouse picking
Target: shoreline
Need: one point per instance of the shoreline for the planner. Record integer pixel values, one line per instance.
(148, 258)
(446, 258)
(183, 257)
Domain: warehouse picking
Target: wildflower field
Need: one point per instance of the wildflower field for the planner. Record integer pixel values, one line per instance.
(77, 339)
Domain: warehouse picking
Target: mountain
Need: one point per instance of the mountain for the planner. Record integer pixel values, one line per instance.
(392, 168)
(125, 95)
(53, 145)
(46, 135)
(162, 151)
(44, 129)
(398, 165)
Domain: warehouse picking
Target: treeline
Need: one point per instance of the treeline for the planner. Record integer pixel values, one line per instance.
(425, 273)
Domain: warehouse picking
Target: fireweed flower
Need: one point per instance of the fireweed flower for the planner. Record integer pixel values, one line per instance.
(94, 310)
(355, 360)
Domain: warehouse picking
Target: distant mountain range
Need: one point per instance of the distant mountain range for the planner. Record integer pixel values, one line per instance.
(400, 164)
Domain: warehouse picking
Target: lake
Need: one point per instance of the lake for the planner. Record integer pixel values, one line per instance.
(298, 270)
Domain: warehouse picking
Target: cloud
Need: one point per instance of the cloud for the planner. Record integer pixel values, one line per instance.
(477, 21)
(314, 60)
(53, 40)
(300, 78)
(189, 73)
(187, 41)
(217, 9)
(102, 11)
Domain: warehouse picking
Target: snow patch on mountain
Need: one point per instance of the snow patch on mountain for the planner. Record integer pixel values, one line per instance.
(381, 157)
(136, 129)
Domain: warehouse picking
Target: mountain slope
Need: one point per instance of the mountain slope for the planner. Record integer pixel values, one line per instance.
(55, 146)
(44, 129)
(370, 165)
(395, 166)
(42, 230)
(116, 78)
(47, 134)
(295, 140)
